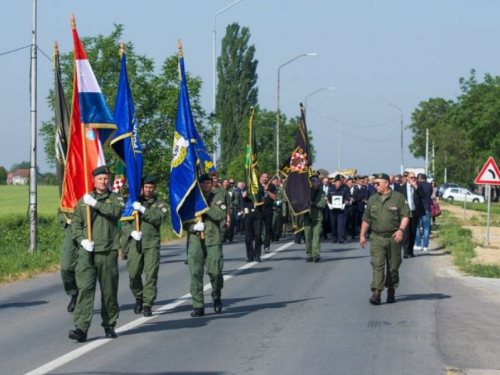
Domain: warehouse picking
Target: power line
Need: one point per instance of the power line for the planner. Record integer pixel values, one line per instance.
(43, 53)
(373, 139)
(348, 124)
(15, 50)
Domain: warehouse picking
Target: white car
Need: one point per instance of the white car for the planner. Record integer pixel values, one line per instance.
(458, 194)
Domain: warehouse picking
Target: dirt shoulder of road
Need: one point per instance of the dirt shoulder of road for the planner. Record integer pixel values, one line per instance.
(475, 221)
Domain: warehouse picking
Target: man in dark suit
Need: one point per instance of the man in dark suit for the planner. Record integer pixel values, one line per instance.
(351, 207)
(397, 182)
(414, 195)
(360, 199)
(338, 193)
(325, 186)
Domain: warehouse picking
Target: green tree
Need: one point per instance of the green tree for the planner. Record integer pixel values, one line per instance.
(236, 93)
(155, 97)
(464, 132)
(3, 176)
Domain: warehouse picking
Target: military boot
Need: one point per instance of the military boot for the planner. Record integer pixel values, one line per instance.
(138, 306)
(77, 335)
(147, 311)
(391, 295)
(375, 298)
(72, 303)
(110, 333)
(218, 306)
(197, 312)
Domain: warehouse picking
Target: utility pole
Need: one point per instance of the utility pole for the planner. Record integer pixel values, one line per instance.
(32, 206)
(340, 145)
(433, 161)
(427, 151)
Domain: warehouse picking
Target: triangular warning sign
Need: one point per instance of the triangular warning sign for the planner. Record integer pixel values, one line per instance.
(489, 175)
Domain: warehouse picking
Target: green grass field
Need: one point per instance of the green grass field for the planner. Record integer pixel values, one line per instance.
(15, 200)
(481, 207)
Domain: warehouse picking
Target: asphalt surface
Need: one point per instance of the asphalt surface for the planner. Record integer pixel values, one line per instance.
(282, 316)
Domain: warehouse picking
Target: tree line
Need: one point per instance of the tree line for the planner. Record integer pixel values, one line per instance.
(156, 94)
(464, 131)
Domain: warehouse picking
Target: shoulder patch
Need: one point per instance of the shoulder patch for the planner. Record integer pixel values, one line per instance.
(164, 209)
(223, 207)
(161, 205)
(119, 197)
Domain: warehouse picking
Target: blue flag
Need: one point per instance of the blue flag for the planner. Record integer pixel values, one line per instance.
(126, 141)
(186, 198)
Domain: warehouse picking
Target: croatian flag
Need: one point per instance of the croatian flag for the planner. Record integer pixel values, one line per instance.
(92, 127)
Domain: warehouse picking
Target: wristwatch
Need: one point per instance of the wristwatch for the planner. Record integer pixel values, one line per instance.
(401, 229)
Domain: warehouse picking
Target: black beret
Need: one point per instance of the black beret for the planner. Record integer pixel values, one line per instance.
(204, 177)
(149, 179)
(103, 169)
(382, 176)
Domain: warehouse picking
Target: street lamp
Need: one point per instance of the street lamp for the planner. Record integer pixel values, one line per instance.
(401, 112)
(214, 81)
(278, 106)
(315, 92)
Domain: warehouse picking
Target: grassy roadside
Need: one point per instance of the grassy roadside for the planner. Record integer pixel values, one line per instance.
(16, 263)
(458, 242)
(481, 207)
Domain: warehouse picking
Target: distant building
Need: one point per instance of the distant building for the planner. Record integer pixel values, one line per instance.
(19, 177)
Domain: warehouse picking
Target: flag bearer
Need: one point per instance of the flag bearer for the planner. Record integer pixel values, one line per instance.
(97, 257)
(144, 257)
(313, 221)
(205, 247)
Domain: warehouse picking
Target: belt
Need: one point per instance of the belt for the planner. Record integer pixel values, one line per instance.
(383, 234)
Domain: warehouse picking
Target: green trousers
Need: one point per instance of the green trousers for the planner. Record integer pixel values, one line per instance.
(148, 261)
(105, 269)
(69, 257)
(198, 256)
(277, 223)
(312, 232)
(385, 259)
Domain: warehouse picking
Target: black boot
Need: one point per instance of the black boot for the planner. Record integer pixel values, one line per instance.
(138, 306)
(391, 295)
(72, 303)
(375, 298)
(78, 335)
(147, 311)
(197, 312)
(110, 333)
(218, 306)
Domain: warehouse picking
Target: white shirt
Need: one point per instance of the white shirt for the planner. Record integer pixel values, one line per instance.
(409, 192)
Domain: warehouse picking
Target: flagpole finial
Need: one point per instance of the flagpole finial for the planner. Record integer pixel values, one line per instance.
(122, 48)
(179, 45)
(73, 23)
(56, 48)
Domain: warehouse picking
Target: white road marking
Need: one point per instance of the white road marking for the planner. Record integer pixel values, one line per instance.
(58, 362)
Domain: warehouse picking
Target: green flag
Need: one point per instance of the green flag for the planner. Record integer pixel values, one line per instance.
(252, 165)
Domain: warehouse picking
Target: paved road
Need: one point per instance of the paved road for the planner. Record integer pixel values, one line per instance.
(282, 316)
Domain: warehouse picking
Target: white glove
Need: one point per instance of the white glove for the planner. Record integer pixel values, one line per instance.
(330, 206)
(89, 200)
(136, 235)
(87, 245)
(199, 227)
(139, 207)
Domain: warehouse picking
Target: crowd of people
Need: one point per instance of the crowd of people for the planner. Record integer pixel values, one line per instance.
(395, 211)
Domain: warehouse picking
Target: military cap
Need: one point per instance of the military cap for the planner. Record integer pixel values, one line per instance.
(204, 177)
(149, 179)
(314, 177)
(337, 178)
(103, 169)
(382, 176)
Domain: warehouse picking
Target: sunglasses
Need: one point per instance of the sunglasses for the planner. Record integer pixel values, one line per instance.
(412, 178)
(377, 183)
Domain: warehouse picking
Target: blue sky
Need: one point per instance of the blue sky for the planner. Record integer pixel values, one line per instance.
(372, 52)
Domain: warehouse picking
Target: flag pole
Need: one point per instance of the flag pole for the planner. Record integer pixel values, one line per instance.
(181, 55)
(85, 170)
(136, 213)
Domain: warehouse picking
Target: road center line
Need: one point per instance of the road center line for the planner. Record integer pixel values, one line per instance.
(58, 362)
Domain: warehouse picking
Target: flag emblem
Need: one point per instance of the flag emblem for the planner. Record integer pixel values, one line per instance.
(179, 150)
(298, 161)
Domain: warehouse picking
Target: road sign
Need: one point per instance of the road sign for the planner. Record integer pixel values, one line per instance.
(489, 175)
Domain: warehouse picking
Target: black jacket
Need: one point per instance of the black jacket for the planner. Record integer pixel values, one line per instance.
(418, 196)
